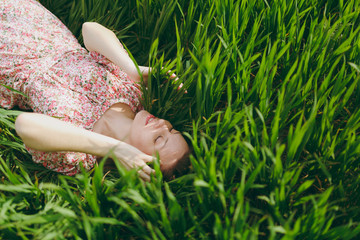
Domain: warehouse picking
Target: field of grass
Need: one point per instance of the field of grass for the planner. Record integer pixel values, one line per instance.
(272, 110)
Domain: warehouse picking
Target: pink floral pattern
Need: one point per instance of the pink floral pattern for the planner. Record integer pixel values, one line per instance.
(40, 57)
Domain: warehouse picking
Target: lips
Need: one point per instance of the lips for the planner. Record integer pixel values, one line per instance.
(149, 119)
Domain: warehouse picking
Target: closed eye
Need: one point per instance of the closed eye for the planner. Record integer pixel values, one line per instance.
(159, 142)
(157, 138)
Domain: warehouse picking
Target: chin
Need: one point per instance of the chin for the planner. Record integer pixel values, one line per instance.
(138, 133)
(140, 117)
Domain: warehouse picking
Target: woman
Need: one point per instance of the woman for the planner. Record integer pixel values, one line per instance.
(85, 103)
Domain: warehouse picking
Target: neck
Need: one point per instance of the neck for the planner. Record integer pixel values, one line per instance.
(116, 122)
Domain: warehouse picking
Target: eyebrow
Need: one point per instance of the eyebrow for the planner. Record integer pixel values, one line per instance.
(177, 132)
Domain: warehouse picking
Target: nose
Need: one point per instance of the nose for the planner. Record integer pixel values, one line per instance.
(161, 123)
(162, 127)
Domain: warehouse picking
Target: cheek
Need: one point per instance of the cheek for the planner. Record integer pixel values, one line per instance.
(141, 140)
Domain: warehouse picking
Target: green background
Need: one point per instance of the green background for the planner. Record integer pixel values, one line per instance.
(271, 111)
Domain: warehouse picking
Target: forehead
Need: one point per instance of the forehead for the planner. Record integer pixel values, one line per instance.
(175, 148)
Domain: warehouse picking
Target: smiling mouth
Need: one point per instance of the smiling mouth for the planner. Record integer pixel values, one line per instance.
(149, 119)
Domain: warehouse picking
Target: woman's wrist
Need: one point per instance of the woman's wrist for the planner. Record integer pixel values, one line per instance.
(136, 75)
(102, 145)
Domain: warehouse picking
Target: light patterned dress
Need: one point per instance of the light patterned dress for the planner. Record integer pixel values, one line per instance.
(41, 58)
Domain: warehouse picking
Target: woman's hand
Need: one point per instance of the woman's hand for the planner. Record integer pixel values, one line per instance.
(131, 157)
(48, 134)
(144, 71)
(174, 78)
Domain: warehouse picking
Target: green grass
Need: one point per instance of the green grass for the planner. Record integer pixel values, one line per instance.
(272, 111)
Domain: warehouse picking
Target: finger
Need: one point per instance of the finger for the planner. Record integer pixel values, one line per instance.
(148, 158)
(148, 170)
(172, 76)
(180, 87)
(143, 171)
(144, 176)
(127, 165)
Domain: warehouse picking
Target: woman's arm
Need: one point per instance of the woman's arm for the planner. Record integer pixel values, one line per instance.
(102, 40)
(48, 134)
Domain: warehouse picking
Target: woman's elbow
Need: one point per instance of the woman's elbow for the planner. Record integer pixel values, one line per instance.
(86, 30)
(22, 123)
(86, 26)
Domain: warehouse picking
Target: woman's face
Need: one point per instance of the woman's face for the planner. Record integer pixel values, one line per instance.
(151, 135)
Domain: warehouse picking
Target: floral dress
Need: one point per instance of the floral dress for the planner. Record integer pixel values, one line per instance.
(41, 58)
